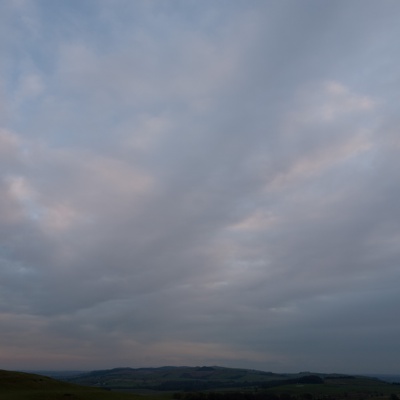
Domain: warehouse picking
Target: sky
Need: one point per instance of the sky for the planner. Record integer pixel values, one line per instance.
(209, 182)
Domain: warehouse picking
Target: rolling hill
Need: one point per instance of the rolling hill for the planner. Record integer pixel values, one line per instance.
(24, 386)
(194, 383)
(208, 378)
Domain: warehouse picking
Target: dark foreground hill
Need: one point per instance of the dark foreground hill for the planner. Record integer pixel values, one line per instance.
(24, 386)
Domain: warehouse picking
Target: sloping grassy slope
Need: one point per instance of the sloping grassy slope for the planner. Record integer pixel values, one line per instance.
(23, 386)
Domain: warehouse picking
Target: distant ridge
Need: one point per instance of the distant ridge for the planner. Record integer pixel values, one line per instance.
(386, 377)
(199, 378)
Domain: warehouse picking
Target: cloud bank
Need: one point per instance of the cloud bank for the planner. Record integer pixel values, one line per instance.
(192, 183)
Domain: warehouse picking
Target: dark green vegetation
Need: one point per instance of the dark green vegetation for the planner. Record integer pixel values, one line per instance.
(201, 383)
(23, 386)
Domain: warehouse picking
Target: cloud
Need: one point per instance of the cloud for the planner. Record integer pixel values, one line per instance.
(197, 184)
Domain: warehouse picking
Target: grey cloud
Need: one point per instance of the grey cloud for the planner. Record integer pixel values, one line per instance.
(234, 204)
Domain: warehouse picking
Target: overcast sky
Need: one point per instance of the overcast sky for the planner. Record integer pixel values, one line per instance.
(200, 182)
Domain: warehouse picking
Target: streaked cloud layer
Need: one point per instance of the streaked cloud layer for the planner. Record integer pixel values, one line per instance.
(198, 183)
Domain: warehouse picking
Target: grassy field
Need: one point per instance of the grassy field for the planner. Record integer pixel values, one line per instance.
(357, 388)
(23, 386)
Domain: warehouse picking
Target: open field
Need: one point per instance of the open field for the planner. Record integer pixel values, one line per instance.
(23, 386)
(200, 383)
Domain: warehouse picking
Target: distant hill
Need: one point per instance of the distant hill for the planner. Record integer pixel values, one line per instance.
(387, 378)
(209, 378)
(176, 378)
